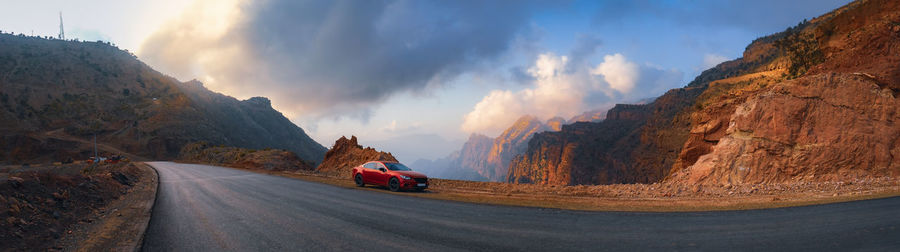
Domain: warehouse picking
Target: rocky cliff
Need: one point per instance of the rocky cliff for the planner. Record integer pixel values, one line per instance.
(834, 122)
(56, 95)
(513, 141)
(483, 158)
(823, 127)
(346, 154)
(797, 88)
(589, 116)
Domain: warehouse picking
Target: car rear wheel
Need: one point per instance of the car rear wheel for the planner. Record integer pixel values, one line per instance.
(359, 180)
(394, 185)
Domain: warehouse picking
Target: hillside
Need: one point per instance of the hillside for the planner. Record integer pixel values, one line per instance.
(265, 159)
(55, 95)
(815, 102)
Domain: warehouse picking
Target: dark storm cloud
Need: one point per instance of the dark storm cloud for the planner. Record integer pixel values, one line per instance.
(339, 57)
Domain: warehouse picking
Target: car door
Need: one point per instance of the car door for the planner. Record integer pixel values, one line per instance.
(370, 174)
(381, 176)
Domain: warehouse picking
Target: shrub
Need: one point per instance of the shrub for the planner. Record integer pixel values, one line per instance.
(803, 51)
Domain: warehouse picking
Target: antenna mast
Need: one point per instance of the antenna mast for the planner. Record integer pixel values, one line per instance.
(62, 33)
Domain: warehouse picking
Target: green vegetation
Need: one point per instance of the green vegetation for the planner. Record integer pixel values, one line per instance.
(803, 51)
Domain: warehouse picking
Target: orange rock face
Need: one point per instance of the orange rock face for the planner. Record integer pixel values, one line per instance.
(827, 127)
(490, 157)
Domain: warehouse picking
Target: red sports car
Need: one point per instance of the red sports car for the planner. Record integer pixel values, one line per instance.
(393, 175)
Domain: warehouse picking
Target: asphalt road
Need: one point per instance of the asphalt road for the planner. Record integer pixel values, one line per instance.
(207, 208)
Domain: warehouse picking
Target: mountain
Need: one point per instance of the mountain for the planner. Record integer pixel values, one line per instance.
(816, 102)
(483, 158)
(416, 146)
(346, 154)
(589, 116)
(56, 95)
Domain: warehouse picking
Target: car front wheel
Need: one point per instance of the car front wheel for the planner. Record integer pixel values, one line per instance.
(359, 180)
(394, 185)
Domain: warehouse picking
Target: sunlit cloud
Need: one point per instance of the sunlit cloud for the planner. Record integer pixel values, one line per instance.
(567, 88)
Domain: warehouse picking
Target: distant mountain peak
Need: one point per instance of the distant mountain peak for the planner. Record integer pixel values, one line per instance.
(556, 123)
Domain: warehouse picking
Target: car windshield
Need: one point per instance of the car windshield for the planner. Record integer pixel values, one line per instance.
(397, 167)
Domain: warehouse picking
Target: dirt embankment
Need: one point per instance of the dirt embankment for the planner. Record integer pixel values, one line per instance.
(266, 159)
(55, 206)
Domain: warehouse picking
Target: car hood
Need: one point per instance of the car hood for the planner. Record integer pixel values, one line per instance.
(411, 174)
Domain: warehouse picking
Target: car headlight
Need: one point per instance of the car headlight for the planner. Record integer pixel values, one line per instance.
(405, 177)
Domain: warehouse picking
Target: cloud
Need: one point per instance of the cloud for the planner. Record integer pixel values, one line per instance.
(333, 58)
(711, 60)
(619, 73)
(565, 88)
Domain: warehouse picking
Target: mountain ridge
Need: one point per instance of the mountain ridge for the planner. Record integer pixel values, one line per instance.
(664, 139)
(54, 91)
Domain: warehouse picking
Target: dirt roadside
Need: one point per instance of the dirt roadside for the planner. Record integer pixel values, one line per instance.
(121, 224)
(636, 197)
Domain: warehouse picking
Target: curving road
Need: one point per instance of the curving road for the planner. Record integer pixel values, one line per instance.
(208, 208)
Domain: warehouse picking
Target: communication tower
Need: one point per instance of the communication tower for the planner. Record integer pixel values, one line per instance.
(62, 33)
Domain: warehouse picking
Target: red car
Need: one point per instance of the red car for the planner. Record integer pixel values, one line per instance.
(393, 175)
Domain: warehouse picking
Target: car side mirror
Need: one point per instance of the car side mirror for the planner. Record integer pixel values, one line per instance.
(382, 169)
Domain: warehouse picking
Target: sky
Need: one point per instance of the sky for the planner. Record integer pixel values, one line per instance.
(418, 77)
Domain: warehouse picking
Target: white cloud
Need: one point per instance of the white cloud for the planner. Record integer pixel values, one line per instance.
(563, 89)
(391, 127)
(711, 60)
(618, 72)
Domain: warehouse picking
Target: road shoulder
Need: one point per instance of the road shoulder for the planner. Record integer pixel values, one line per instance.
(121, 227)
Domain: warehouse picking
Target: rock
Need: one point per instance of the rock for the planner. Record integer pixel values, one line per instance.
(15, 182)
(14, 209)
(826, 126)
(122, 178)
(54, 233)
(347, 153)
(60, 196)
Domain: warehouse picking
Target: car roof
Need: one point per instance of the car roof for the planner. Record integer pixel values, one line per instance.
(384, 162)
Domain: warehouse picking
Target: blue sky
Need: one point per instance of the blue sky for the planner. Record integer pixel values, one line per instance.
(385, 70)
